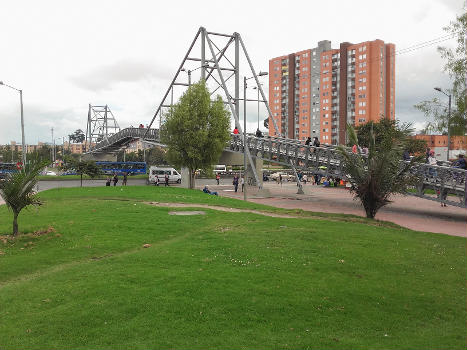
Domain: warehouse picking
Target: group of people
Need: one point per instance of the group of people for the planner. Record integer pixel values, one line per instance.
(166, 180)
(460, 162)
(114, 179)
(315, 143)
(236, 181)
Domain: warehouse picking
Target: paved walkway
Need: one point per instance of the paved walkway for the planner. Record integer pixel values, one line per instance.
(407, 211)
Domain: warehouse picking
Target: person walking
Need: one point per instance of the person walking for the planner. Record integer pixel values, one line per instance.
(242, 182)
(218, 177)
(115, 179)
(280, 179)
(125, 179)
(316, 142)
(235, 182)
(460, 162)
(108, 181)
(305, 179)
(166, 178)
(156, 181)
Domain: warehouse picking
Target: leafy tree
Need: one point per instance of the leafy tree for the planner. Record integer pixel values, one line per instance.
(18, 190)
(387, 128)
(456, 66)
(77, 137)
(379, 175)
(196, 130)
(41, 154)
(82, 167)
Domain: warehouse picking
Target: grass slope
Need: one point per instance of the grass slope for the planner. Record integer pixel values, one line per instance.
(222, 280)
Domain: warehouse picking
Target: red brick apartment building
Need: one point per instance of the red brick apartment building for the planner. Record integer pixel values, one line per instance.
(316, 92)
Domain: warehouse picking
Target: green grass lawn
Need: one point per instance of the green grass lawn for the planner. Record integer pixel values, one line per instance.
(221, 280)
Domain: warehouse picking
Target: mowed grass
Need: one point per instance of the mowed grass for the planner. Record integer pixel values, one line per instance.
(221, 280)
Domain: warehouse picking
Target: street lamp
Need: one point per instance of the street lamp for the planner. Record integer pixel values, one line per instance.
(257, 88)
(23, 144)
(260, 74)
(192, 70)
(449, 120)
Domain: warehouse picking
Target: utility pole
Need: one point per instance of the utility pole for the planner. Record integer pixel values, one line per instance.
(53, 146)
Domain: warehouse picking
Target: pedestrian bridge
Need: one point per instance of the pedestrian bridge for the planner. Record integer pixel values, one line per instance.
(437, 183)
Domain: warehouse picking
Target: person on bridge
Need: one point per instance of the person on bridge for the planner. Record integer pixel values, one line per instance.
(115, 179)
(316, 142)
(308, 141)
(460, 162)
(259, 134)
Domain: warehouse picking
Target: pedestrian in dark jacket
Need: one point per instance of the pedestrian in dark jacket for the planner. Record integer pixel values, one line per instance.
(308, 141)
(316, 142)
(115, 179)
(166, 178)
(235, 182)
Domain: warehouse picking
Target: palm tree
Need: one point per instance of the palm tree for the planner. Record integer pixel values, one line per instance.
(381, 173)
(18, 190)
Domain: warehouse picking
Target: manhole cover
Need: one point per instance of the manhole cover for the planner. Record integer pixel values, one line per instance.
(191, 212)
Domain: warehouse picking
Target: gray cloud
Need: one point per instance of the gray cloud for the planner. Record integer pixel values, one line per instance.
(123, 71)
(38, 121)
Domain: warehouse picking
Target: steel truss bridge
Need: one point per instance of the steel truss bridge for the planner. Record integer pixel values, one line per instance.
(448, 183)
(219, 57)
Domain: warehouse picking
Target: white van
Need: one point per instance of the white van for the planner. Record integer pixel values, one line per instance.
(220, 169)
(160, 172)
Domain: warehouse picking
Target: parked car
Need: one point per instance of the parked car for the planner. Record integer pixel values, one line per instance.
(50, 173)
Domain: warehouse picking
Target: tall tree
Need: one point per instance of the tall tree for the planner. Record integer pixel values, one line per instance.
(456, 67)
(380, 174)
(196, 130)
(18, 190)
(82, 167)
(77, 137)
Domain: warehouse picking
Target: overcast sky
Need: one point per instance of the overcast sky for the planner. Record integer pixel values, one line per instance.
(67, 54)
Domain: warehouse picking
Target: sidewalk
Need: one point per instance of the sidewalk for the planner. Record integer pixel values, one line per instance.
(407, 211)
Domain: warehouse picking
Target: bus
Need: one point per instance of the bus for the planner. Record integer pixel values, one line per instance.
(130, 168)
(7, 168)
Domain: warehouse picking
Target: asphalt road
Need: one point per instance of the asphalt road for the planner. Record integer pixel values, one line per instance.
(47, 185)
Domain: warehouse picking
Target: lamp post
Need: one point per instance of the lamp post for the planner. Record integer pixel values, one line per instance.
(23, 143)
(260, 74)
(192, 70)
(257, 88)
(449, 120)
